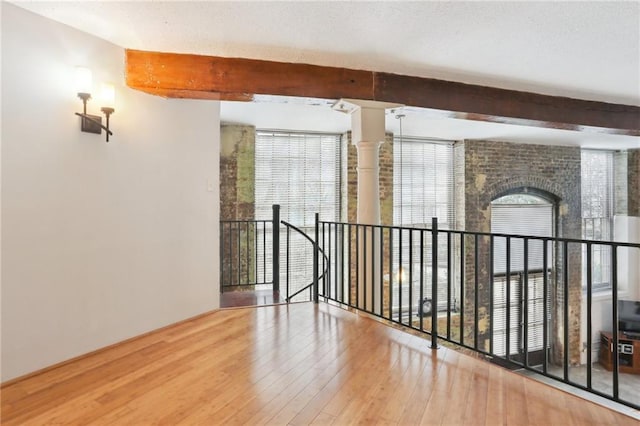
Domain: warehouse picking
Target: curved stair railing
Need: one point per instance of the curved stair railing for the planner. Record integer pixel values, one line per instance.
(324, 273)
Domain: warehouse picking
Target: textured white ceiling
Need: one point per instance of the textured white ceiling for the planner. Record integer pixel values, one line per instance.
(587, 50)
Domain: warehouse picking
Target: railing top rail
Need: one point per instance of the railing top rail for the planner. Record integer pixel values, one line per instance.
(304, 234)
(490, 234)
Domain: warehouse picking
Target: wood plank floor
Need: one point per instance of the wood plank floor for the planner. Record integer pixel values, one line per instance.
(289, 364)
(234, 299)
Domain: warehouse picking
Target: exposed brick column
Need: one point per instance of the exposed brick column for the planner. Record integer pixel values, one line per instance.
(237, 199)
(237, 171)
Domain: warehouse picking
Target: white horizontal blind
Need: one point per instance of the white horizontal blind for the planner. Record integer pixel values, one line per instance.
(422, 182)
(597, 211)
(301, 173)
(422, 189)
(536, 311)
(535, 314)
(520, 219)
(500, 315)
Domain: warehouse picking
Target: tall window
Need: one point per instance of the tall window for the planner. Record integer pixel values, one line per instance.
(597, 211)
(301, 173)
(422, 182)
(422, 189)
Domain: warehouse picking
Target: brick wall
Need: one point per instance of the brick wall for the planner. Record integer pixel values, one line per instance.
(237, 171)
(493, 169)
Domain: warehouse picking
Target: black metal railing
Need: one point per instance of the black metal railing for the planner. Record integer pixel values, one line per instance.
(262, 255)
(249, 253)
(516, 299)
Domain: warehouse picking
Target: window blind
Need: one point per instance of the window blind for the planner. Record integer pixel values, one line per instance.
(521, 219)
(301, 173)
(422, 182)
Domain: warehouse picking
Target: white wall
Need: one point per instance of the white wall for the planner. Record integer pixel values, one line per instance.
(100, 241)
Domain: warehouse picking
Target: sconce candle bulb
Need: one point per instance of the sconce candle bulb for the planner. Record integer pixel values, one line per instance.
(83, 81)
(107, 95)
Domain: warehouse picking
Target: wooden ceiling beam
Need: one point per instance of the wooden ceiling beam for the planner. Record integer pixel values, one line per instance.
(167, 72)
(211, 77)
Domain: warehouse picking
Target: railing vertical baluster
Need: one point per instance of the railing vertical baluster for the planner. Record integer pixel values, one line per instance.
(525, 307)
(246, 255)
(255, 251)
(357, 270)
(491, 290)
(434, 283)
(288, 261)
(476, 282)
(373, 268)
(335, 261)
(326, 280)
(410, 277)
(421, 312)
(508, 298)
(276, 247)
(449, 273)
(381, 271)
(342, 262)
(589, 301)
(545, 308)
(614, 317)
(316, 258)
(327, 236)
(364, 267)
(390, 273)
(264, 250)
(400, 275)
(462, 287)
(350, 258)
(232, 262)
(565, 300)
(238, 253)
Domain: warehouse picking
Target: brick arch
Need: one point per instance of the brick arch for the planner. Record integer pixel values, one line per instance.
(545, 188)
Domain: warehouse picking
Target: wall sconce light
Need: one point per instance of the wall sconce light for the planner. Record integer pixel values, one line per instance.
(93, 123)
